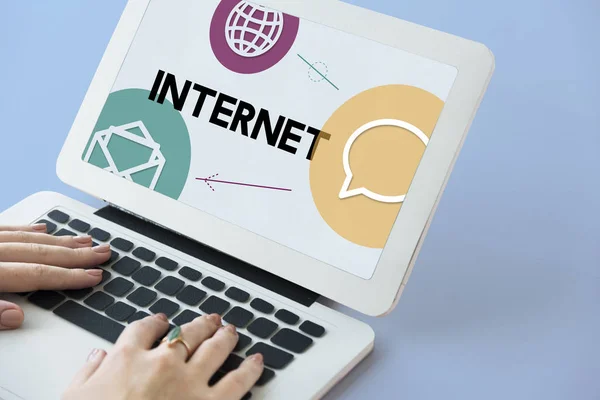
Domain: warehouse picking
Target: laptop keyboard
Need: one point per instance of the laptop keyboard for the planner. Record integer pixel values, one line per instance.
(138, 281)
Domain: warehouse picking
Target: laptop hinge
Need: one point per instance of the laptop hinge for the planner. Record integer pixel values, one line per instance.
(208, 254)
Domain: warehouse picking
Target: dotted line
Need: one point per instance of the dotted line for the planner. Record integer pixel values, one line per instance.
(208, 183)
(324, 73)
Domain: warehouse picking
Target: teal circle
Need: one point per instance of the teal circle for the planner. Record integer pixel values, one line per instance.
(165, 125)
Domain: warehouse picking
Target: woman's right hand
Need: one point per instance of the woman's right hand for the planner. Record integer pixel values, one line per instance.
(32, 260)
(134, 370)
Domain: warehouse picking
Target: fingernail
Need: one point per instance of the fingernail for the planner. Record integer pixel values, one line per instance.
(39, 227)
(162, 316)
(11, 319)
(103, 248)
(231, 329)
(95, 272)
(216, 318)
(257, 358)
(93, 354)
(82, 239)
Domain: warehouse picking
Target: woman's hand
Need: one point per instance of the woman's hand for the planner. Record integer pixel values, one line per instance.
(135, 371)
(32, 260)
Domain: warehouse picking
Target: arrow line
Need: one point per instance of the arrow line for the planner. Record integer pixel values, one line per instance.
(207, 180)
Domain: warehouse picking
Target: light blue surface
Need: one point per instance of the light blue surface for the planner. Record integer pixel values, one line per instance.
(504, 302)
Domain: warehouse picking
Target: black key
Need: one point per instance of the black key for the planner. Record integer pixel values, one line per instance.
(99, 301)
(312, 329)
(265, 377)
(113, 257)
(165, 306)
(105, 276)
(191, 274)
(232, 362)
(46, 299)
(166, 263)
(118, 287)
(243, 342)
(169, 286)
(191, 295)
(78, 294)
(274, 357)
(216, 378)
(144, 254)
(287, 317)
(262, 306)
(89, 320)
(50, 226)
(23, 294)
(142, 297)
(95, 244)
(262, 327)
(58, 216)
(122, 244)
(292, 340)
(120, 311)
(185, 317)
(238, 317)
(237, 294)
(137, 316)
(126, 266)
(65, 232)
(214, 305)
(99, 234)
(213, 284)
(79, 225)
(146, 276)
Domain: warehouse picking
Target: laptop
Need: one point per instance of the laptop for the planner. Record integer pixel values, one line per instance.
(255, 161)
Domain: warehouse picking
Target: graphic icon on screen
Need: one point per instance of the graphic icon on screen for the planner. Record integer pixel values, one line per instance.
(317, 71)
(251, 31)
(110, 142)
(361, 176)
(346, 192)
(213, 179)
(247, 38)
(142, 141)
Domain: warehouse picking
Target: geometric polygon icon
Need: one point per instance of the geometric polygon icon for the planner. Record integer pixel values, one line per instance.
(145, 152)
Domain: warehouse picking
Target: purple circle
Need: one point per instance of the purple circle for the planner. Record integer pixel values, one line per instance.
(249, 65)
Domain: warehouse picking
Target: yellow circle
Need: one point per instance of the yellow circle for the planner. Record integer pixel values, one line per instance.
(382, 160)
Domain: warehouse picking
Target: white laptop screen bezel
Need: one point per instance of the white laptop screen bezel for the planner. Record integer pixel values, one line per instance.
(375, 296)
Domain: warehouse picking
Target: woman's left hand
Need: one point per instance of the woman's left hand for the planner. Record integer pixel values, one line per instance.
(32, 260)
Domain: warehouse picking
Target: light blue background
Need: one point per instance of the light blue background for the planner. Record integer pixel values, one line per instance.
(504, 302)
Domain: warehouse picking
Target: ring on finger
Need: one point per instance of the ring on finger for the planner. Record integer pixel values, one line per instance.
(176, 336)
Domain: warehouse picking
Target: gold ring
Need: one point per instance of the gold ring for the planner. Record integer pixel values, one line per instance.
(176, 336)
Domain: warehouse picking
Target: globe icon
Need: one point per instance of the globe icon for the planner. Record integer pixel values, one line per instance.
(251, 30)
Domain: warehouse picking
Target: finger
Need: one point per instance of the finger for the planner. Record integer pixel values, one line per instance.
(11, 316)
(214, 351)
(194, 333)
(26, 228)
(73, 242)
(239, 382)
(145, 332)
(54, 255)
(19, 277)
(91, 365)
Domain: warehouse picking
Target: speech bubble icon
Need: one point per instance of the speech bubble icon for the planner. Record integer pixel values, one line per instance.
(345, 192)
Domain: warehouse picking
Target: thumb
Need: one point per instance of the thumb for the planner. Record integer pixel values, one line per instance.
(11, 316)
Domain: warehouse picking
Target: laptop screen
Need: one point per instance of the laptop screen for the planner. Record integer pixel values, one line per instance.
(303, 134)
